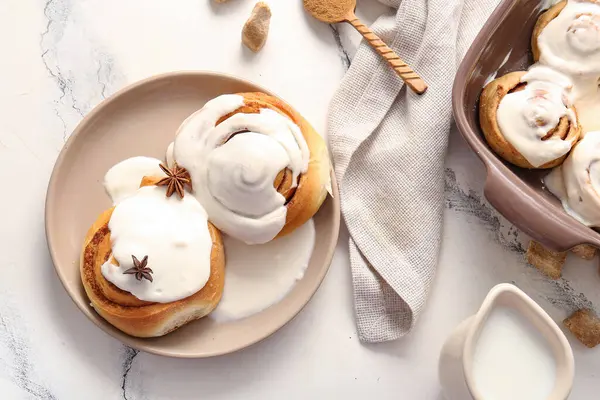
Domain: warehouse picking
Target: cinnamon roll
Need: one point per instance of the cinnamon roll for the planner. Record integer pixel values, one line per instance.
(577, 181)
(528, 118)
(567, 37)
(153, 263)
(257, 166)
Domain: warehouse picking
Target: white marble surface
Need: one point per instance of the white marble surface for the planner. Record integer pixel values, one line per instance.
(61, 57)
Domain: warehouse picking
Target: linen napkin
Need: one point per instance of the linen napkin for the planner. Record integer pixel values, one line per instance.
(388, 147)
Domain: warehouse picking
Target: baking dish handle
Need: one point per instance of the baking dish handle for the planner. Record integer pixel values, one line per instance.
(549, 229)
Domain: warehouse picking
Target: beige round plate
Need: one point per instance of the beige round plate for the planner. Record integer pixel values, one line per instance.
(142, 120)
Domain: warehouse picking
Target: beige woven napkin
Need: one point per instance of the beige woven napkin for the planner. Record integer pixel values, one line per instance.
(388, 147)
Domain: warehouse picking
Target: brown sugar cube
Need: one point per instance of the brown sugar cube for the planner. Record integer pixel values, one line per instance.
(549, 262)
(256, 29)
(585, 325)
(584, 251)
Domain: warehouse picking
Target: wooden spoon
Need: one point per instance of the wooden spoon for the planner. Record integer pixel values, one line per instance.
(335, 11)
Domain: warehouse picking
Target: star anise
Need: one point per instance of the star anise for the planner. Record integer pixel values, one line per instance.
(140, 269)
(175, 181)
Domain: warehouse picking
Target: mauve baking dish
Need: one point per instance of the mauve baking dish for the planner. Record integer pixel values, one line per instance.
(502, 46)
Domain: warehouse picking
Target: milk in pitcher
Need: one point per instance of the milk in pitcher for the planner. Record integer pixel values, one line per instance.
(512, 360)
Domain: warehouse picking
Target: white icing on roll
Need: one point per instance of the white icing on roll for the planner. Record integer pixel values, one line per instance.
(526, 116)
(169, 155)
(571, 41)
(233, 175)
(172, 232)
(258, 276)
(124, 178)
(577, 182)
(586, 97)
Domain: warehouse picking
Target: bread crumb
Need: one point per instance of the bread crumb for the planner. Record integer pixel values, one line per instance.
(221, 1)
(585, 325)
(584, 251)
(256, 29)
(549, 262)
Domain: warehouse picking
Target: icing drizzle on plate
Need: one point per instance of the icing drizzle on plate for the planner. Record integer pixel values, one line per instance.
(258, 276)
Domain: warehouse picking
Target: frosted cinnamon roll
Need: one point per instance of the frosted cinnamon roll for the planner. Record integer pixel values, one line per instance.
(567, 37)
(528, 118)
(257, 167)
(153, 263)
(577, 181)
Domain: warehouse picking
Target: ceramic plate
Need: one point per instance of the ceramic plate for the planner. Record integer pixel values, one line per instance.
(142, 120)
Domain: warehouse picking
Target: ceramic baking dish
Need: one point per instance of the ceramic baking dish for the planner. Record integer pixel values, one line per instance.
(502, 46)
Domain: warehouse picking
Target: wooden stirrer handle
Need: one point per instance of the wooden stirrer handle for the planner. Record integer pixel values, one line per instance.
(410, 77)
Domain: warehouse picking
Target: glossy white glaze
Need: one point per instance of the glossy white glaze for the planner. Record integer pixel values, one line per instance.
(525, 117)
(169, 158)
(577, 182)
(233, 173)
(172, 232)
(124, 178)
(258, 276)
(571, 41)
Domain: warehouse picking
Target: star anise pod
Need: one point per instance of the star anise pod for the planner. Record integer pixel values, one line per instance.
(140, 269)
(175, 181)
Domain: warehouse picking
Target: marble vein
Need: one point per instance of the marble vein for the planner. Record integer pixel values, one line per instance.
(560, 293)
(13, 337)
(102, 84)
(567, 298)
(55, 73)
(106, 75)
(343, 53)
(64, 124)
(129, 355)
(83, 78)
(52, 10)
(472, 204)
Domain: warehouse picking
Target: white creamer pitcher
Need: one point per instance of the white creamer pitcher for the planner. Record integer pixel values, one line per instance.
(511, 349)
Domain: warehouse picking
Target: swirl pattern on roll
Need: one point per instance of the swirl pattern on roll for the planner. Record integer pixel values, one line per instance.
(570, 38)
(179, 291)
(528, 117)
(245, 160)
